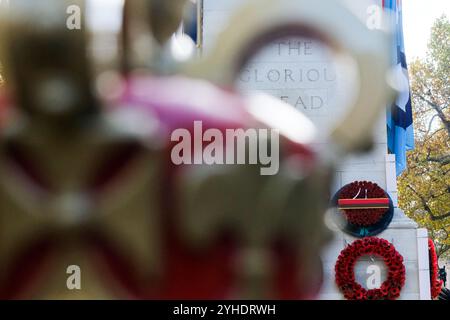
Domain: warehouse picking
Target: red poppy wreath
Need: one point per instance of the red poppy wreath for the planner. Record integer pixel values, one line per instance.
(345, 276)
(351, 202)
(436, 283)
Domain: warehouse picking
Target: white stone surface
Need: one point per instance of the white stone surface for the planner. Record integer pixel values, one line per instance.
(424, 264)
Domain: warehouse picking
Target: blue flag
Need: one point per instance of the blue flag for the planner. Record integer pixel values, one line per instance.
(399, 117)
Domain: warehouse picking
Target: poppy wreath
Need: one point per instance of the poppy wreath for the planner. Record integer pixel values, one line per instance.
(345, 276)
(363, 217)
(436, 283)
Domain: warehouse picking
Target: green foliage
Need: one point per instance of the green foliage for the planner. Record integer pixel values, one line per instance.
(424, 188)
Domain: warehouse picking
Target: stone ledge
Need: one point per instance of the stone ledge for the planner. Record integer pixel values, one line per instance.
(401, 221)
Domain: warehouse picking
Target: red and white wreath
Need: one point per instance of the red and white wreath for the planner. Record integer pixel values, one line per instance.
(345, 276)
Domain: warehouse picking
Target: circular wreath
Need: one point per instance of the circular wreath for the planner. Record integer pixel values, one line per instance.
(357, 190)
(345, 276)
(435, 282)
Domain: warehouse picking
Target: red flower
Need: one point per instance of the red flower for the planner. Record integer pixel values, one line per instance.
(384, 291)
(345, 276)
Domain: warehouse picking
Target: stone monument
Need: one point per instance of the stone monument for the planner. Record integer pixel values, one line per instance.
(302, 72)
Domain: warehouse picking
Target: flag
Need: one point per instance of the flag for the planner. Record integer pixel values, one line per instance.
(190, 23)
(399, 118)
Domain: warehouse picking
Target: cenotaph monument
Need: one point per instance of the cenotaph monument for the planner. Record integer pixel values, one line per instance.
(301, 71)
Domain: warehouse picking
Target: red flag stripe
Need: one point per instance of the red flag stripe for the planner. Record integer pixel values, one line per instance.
(363, 202)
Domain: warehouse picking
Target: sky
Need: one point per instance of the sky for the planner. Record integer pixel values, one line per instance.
(418, 18)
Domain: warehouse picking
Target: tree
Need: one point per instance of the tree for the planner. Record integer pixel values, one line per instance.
(424, 188)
